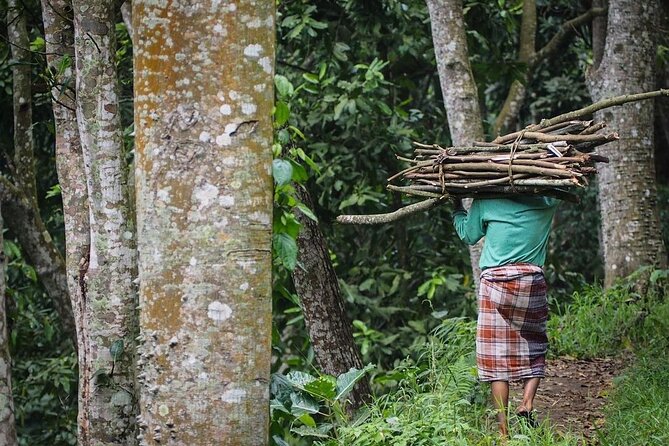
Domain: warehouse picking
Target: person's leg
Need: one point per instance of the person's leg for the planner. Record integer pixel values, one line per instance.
(529, 392)
(500, 397)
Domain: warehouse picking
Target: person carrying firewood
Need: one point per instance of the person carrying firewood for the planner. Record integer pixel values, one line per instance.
(511, 340)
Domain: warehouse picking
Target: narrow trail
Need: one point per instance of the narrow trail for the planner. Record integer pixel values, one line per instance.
(574, 392)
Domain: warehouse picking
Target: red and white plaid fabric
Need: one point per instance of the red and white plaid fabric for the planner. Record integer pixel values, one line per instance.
(511, 340)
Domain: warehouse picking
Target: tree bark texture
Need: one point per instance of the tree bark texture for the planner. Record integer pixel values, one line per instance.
(203, 103)
(7, 420)
(457, 85)
(59, 37)
(108, 327)
(326, 319)
(631, 231)
(24, 161)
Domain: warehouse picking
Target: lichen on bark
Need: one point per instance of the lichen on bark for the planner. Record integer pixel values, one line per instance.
(107, 272)
(204, 95)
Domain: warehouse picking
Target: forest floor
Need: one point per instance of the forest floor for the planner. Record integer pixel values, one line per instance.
(574, 392)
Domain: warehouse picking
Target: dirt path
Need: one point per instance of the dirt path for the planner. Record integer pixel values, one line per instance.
(574, 392)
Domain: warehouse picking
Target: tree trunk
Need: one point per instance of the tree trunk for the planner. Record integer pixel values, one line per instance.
(20, 199)
(598, 33)
(457, 85)
(204, 97)
(108, 326)
(7, 421)
(59, 37)
(508, 116)
(328, 324)
(631, 229)
(19, 43)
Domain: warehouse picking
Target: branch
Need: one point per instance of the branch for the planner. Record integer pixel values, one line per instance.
(126, 14)
(22, 217)
(24, 160)
(563, 33)
(377, 219)
(590, 109)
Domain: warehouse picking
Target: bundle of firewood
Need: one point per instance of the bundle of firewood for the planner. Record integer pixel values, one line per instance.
(551, 158)
(546, 161)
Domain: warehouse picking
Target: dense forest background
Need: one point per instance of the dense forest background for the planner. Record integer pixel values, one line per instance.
(356, 82)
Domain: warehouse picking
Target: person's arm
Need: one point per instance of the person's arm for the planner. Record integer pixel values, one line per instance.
(469, 225)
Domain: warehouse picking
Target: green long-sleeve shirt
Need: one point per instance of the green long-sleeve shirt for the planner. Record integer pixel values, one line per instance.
(516, 229)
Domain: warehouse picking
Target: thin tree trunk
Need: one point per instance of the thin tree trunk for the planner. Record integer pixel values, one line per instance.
(108, 327)
(457, 85)
(126, 14)
(326, 319)
(59, 37)
(19, 43)
(631, 230)
(204, 96)
(7, 421)
(598, 33)
(20, 198)
(514, 100)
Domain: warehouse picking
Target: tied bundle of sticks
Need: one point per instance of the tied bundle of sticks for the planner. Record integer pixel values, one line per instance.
(550, 158)
(547, 161)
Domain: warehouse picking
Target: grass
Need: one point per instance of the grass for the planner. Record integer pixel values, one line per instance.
(638, 412)
(438, 401)
(599, 323)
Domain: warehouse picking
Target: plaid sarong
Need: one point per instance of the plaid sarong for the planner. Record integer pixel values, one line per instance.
(511, 340)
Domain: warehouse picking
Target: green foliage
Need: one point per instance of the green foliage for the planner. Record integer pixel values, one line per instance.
(44, 372)
(602, 322)
(311, 406)
(437, 400)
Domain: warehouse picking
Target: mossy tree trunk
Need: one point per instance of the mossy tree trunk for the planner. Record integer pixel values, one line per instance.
(631, 231)
(203, 104)
(108, 296)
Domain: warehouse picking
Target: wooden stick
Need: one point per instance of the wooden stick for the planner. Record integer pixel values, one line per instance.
(412, 168)
(585, 111)
(593, 128)
(505, 168)
(391, 216)
(491, 148)
(559, 128)
(570, 138)
(495, 192)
